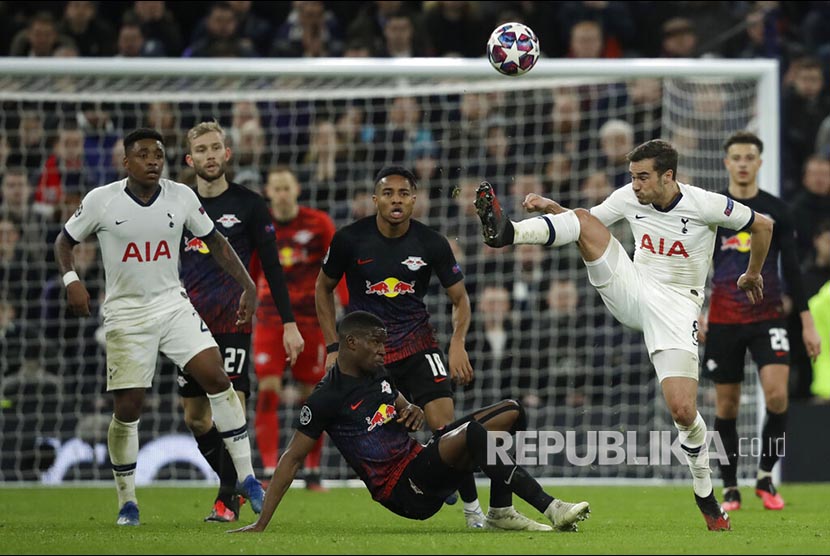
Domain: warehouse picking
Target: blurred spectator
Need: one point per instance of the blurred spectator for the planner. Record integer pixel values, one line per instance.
(760, 37)
(350, 124)
(823, 139)
(158, 25)
(249, 26)
(21, 274)
(11, 339)
(399, 38)
(324, 172)
(816, 26)
(40, 38)
(249, 156)
(131, 42)
(455, 28)
(166, 119)
(17, 206)
(586, 40)
(64, 170)
(612, 31)
(812, 203)
(93, 35)
(367, 28)
(529, 277)
(310, 31)
(558, 180)
(594, 189)
(646, 95)
(492, 343)
(100, 136)
(28, 146)
(362, 205)
(402, 133)
(616, 140)
(464, 140)
(219, 37)
(242, 111)
(804, 106)
(680, 38)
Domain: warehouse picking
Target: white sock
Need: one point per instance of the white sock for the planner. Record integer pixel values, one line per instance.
(122, 443)
(763, 475)
(693, 443)
(550, 229)
(472, 507)
(230, 422)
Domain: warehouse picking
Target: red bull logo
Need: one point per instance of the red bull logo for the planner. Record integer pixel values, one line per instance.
(739, 242)
(383, 415)
(196, 244)
(391, 287)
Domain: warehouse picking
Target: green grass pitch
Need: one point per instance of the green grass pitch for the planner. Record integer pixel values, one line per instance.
(624, 520)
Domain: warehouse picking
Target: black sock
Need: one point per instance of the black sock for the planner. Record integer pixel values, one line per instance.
(467, 489)
(772, 439)
(728, 430)
(213, 449)
(505, 478)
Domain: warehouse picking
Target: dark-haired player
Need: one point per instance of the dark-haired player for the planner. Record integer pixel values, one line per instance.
(735, 325)
(369, 421)
(139, 222)
(388, 259)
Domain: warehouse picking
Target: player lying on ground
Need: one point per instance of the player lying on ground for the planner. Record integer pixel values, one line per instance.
(369, 421)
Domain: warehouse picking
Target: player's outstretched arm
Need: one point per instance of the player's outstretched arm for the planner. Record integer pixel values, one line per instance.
(751, 281)
(326, 316)
(287, 468)
(76, 294)
(227, 258)
(461, 370)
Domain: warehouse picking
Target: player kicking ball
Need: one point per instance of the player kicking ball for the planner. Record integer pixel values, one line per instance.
(674, 226)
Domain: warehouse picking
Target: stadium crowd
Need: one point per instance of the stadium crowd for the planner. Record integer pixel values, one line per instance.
(51, 154)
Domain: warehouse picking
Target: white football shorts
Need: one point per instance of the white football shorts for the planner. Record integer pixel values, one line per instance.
(133, 346)
(666, 315)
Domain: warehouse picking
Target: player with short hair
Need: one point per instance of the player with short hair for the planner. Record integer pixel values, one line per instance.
(303, 238)
(388, 259)
(735, 326)
(241, 216)
(139, 222)
(674, 226)
(369, 421)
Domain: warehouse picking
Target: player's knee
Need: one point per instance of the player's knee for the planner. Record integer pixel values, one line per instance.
(777, 401)
(198, 424)
(518, 415)
(684, 414)
(476, 438)
(271, 383)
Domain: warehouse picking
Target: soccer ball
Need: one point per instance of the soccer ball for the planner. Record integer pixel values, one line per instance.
(513, 49)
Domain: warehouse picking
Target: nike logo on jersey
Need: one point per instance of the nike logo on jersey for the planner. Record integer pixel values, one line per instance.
(354, 406)
(364, 261)
(119, 222)
(638, 217)
(440, 378)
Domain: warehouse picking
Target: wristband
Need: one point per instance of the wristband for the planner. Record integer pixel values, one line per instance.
(70, 277)
(331, 348)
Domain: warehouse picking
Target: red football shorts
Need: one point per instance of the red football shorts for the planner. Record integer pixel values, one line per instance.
(269, 353)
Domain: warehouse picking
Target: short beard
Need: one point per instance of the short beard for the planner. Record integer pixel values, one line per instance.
(204, 175)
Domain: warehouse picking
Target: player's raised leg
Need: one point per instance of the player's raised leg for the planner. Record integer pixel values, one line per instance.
(558, 226)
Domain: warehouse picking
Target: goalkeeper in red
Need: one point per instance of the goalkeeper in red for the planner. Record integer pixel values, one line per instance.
(369, 421)
(735, 326)
(661, 291)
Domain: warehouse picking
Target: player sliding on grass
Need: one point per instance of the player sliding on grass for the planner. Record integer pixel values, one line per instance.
(369, 421)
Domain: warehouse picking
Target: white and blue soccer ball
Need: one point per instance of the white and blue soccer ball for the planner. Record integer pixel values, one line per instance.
(513, 49)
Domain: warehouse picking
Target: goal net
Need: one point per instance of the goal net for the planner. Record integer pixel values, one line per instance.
(540, 333)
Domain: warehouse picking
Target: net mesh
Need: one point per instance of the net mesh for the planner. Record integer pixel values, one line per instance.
(540, 333)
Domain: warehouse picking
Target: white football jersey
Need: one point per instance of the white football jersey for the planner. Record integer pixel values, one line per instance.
(675, 245)
(140, 244)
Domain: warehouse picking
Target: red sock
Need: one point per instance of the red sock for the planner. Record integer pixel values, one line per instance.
(268, 427)
(312, 460)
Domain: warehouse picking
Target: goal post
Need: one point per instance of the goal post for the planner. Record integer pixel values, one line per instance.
(539, 334)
